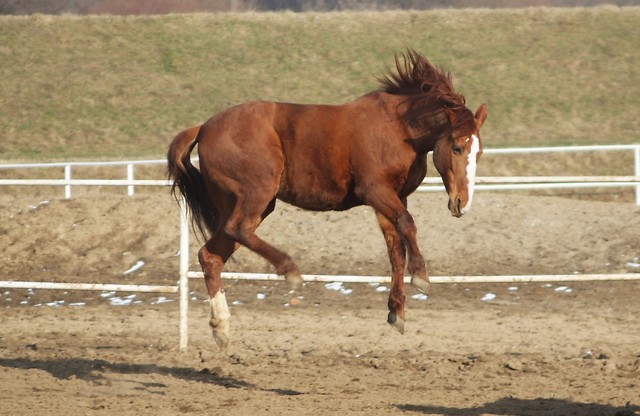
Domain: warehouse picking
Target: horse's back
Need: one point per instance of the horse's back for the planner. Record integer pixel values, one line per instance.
(312, 156)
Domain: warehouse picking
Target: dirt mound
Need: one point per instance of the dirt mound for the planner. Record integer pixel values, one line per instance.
(104, 236)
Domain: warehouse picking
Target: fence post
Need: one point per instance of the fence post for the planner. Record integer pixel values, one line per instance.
(130, 189)
(637, 171)
(184, 279)
(67, 177)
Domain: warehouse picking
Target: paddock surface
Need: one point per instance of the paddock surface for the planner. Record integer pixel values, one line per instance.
(469, 349)
(531, 351)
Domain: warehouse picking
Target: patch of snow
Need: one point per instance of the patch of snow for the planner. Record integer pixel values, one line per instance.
(334, 286)
(488, 297)
(135, 267)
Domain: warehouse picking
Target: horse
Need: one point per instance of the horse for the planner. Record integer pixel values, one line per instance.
(370, 151)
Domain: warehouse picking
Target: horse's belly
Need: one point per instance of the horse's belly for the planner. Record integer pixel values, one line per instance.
(310, 202)
(318, 196)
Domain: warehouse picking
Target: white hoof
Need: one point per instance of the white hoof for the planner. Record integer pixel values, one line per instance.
(220, 334)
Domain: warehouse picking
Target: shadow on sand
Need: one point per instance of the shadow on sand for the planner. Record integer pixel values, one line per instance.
(93, 371)
(534, 407)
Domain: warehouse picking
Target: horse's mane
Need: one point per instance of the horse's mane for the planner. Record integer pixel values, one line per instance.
(428, 90)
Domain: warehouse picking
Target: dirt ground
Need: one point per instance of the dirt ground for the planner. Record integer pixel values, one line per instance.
(469, 349)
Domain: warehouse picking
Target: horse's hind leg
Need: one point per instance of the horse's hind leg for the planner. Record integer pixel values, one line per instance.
(212, 257)
(248, 213)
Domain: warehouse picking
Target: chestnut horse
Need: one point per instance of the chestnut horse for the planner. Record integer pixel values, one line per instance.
(328, 157)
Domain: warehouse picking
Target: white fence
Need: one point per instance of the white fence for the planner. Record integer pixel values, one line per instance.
(483, 183)
(68, 182)
(430, 184)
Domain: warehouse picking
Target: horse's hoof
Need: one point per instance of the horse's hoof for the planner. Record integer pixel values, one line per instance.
(421, 284)
(396, 322)
(220, 331)
(221, 339)
(219, 321)
(294, 280)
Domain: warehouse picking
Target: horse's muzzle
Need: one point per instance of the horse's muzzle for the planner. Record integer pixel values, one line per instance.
(455, 207)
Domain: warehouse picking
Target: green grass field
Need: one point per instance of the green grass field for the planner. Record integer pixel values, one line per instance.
(120, 87)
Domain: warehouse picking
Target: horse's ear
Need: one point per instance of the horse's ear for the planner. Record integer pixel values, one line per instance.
(481, 115)
(452, 116)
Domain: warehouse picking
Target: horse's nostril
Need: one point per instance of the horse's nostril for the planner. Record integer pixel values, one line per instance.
(455, 206)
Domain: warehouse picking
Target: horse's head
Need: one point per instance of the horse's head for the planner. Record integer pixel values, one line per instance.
(455, 156)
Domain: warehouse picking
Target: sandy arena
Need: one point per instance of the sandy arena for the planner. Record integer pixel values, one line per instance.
(469, 349)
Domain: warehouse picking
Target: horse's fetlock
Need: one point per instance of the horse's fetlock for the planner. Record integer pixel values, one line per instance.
(418, 271)
(287, 267)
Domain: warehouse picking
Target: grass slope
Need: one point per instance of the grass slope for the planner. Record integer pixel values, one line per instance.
(110, 87)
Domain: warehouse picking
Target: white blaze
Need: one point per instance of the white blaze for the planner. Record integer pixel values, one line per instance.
(471, 171)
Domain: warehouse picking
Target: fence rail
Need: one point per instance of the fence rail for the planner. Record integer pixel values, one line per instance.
(520, 278)
(430, 184)
(129, 164)
(88, 286)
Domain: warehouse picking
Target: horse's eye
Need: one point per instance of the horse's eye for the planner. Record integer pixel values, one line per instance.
(457, 149)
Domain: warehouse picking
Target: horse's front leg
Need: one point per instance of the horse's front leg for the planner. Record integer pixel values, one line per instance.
(406, 227)
(416, 267)
(396, 249)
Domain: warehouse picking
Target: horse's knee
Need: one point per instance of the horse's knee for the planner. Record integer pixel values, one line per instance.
(406, 225)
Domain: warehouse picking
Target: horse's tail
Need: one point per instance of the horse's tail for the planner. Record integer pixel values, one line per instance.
(189, 181)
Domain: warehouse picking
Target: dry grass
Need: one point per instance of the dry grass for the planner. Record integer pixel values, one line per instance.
(111, 87)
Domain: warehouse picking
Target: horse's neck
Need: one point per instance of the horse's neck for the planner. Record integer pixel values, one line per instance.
(425, 137)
